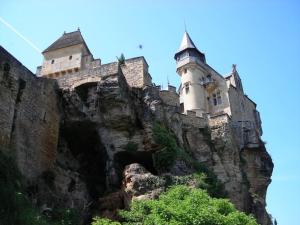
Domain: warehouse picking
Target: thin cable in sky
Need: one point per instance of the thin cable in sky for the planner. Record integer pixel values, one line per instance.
(20, 35)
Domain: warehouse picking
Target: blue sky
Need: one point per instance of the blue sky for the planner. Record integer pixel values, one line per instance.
(261, 37)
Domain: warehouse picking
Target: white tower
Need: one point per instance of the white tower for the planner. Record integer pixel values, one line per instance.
(191, 68)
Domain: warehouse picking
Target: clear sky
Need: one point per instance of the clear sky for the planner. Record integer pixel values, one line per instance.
(261, 36)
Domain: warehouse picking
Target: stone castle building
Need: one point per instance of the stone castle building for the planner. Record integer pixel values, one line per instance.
(203, 92)
(92, 126)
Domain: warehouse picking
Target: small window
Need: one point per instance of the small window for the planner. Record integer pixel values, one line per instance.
(217, 99)
(185, 71)
(52, 61)
(70, 57)
(187, 88)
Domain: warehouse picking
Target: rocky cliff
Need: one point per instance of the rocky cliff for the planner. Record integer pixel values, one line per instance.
(95, 147)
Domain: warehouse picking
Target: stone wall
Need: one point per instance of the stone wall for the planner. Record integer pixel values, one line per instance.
(190, 119)
(136, 73)
(169, 97)
(218, 120)
(29, 116)
(70, 81)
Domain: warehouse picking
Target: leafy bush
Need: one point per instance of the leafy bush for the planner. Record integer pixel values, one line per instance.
(166, 157)
(182, 205)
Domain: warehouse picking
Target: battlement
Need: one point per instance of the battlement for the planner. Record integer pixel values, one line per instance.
(72, 80)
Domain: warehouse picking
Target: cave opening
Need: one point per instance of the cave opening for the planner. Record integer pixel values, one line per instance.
(122, 159)
(86, 146)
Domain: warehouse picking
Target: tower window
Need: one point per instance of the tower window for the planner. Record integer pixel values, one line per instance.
(185, 71)
(187, 88)
(70, 57)
(52, 61)
(217, 99)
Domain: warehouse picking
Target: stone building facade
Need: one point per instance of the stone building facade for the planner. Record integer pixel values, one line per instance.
(70, 61)
(203, 90)
(209, 94)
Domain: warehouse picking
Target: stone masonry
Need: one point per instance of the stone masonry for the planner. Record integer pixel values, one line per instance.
(29, 116)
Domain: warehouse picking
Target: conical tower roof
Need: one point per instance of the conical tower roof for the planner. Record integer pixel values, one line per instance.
(186, 42)
(188, 45)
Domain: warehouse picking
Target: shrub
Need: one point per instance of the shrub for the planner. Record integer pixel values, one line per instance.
(182, 205)
(166, 157)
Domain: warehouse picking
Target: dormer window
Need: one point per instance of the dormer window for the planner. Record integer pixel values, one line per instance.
(70, 57)
(52, 61)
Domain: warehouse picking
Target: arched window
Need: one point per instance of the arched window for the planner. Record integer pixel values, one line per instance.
(217, 98)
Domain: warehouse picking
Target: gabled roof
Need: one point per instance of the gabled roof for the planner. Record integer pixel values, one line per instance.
(66, 40)
(186, 42)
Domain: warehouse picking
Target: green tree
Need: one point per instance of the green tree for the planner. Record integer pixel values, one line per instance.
(182, 205)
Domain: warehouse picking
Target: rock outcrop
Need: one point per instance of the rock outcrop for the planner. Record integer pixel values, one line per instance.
(92, 147)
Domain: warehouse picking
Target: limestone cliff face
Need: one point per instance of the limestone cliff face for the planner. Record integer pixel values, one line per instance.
(96, 145)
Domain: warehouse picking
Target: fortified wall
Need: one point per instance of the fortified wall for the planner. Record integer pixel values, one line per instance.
(29, 118)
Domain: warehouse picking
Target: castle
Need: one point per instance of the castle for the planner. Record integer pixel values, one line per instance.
(204, 95)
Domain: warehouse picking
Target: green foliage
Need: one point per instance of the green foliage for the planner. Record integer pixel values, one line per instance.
(15, 207)
(121, 59)
(131, 146)
(166, 157)
(104, 221)
(182, 205)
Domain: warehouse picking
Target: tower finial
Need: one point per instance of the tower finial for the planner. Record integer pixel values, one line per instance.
(233, 68)
(78, 29)
(184, 26)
